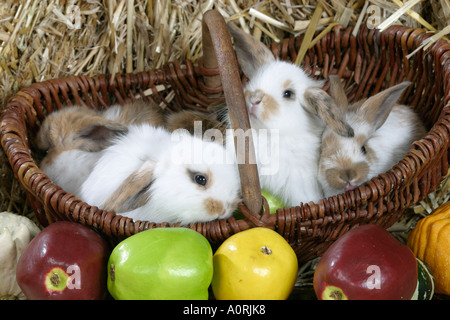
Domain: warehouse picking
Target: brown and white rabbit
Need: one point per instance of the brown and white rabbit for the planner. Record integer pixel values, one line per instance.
(384, 133)
(73, 139)
(153, 174)
(287, 130)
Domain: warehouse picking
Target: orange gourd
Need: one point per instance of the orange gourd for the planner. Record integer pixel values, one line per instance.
(430, 242)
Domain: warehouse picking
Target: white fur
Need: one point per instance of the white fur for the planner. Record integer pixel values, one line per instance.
(172, 195)
(70, 168)
(393, 140)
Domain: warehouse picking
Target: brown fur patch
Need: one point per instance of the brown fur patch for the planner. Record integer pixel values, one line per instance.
(131, 194)
(330, 145)
(268, 104)
(270, 107)
(356, 106)
(338, 93)
(320, 103)
(59, 128)
(361, 139)
(287, 84)
(250, 52)
(77, 128)
(347, 171)
(214, 207)
(141, 111)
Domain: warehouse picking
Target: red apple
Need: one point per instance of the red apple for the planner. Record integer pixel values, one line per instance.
(366, 263)
(64, 261)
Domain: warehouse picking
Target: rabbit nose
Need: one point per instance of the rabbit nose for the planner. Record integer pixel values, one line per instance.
(254, 103)
(347, 175)
(255, 97)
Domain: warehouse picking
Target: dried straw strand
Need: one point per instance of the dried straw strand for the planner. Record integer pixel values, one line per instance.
(309, 33)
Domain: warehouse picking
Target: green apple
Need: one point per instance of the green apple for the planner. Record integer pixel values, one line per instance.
(274, 201)
(161, 263)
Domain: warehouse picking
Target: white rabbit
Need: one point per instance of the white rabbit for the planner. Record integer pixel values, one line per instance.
(286, 130)
(152, 174)
(384, 133)
(73, 138)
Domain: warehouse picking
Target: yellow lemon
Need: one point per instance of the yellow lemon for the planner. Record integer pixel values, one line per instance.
(255, 264)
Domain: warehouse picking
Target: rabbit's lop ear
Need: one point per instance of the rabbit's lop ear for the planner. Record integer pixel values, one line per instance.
(133, 192)
(377, 108)
(97, 135)
(251, 53)
(318, 102)
(337, 92)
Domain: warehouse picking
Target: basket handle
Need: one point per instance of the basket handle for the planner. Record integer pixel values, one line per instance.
(218, 53)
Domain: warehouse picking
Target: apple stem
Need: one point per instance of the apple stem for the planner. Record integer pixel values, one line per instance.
(55, 279)
(266, 250)
(336, 295)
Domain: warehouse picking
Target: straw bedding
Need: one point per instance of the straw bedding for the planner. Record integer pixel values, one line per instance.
(47, 39)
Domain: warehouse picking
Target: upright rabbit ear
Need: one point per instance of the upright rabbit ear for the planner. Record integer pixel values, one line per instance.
(251, 53)
(133, 192)
(337, 92)
(377, 108)
(318, 102)
(98, 134)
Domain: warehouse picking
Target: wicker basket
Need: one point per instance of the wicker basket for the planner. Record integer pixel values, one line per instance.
(369, 62)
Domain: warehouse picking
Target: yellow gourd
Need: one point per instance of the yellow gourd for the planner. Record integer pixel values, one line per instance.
(430, 242)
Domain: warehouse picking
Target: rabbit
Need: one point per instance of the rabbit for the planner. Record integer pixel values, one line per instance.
(383, 133)
(136, 112)
(73, 139)
(287, 130)
(160, 176)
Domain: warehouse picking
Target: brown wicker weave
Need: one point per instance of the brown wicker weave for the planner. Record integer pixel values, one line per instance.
(370, 62)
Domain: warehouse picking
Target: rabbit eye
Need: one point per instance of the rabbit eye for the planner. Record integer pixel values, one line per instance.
(288, 94)
(200, 179)
(363, 149)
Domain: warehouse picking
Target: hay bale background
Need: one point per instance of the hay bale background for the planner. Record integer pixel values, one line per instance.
(46, 39)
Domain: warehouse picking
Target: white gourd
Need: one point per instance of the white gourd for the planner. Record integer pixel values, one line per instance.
(16, 232)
